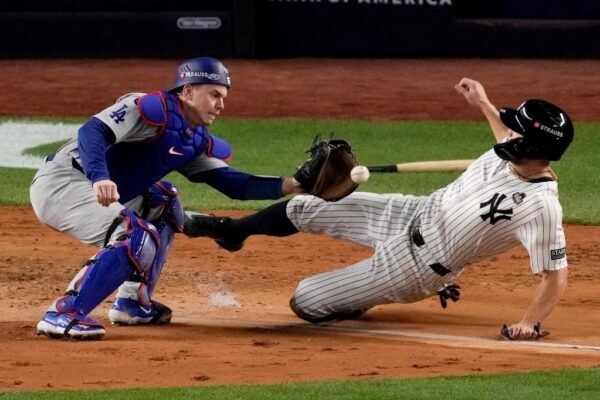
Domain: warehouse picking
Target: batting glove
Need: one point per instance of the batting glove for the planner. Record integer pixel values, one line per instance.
(449, 291)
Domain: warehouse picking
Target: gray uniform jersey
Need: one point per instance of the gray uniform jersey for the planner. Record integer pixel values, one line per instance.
(486, 211)
(64, 199)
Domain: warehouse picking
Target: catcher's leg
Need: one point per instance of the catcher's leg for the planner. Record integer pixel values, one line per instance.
(131, 253)
(231, 233)
(133, 304)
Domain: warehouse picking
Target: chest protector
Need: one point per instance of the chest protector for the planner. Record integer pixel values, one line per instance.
(134, 166)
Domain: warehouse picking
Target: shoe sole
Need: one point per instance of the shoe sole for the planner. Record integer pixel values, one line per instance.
(117, 317)
(54, 332)
(232, 247)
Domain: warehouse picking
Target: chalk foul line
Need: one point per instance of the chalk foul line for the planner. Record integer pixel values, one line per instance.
(438, 338)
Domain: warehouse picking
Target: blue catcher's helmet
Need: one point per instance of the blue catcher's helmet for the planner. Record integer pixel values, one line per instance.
(201, 70)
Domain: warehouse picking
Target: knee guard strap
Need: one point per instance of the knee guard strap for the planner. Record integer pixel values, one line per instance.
(162, 205)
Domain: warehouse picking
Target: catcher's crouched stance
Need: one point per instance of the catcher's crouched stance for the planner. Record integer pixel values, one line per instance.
(507, 197)
(105, 188)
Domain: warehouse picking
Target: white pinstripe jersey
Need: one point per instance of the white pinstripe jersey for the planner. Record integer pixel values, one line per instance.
(488, 210)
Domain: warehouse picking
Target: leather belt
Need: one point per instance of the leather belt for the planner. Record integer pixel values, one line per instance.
(416, 235)
(74, 162)
(419, 241)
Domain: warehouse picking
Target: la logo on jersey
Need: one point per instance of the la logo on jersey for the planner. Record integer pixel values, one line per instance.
(495, 214)
(119, 114)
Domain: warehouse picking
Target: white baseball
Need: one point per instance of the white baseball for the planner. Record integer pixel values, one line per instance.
(359, 174)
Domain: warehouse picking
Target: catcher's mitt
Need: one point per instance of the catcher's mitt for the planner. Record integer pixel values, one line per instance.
(326, 174)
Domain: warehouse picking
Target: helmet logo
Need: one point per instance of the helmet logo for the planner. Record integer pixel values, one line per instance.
(548, 129)
(212, 77)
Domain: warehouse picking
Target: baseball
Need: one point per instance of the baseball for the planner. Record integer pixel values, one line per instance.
(359, 174)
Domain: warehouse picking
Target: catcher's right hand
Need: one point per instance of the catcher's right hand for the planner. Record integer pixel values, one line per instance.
(326, 174)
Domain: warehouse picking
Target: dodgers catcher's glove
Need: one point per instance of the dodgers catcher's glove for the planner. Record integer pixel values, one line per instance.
(326, 174)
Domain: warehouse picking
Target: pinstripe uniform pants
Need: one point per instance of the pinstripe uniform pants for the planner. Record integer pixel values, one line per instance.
(394, 273)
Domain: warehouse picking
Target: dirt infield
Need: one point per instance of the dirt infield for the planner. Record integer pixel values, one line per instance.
(231, 321)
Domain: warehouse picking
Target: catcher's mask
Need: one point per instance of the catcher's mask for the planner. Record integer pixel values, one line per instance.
(201, 70)
(547, 132)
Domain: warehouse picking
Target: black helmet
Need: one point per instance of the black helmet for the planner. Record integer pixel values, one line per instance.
(547, 132)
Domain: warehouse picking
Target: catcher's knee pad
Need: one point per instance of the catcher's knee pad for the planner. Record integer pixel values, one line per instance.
(142, 291)
(162, 205)
(129, 256)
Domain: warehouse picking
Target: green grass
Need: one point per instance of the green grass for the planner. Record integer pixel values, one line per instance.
(581, 384)
(276, 147)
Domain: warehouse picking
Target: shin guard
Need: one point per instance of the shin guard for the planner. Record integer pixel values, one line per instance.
(131, 254)
(164, 209)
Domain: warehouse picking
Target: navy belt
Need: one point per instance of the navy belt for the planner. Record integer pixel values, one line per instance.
(74, 162)
(416, 235)
(417, 239)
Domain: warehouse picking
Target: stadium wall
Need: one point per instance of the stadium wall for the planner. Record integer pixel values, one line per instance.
(300, 28)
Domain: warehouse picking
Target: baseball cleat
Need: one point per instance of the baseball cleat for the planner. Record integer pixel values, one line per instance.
(57, 325)
(211, 226)
(130, 312)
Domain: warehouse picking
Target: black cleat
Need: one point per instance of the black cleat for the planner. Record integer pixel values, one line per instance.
(208, 225)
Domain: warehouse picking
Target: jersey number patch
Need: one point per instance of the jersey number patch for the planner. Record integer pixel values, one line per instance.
(119, 115)
(495, 214)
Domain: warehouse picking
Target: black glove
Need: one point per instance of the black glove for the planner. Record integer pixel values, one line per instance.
(326, 174)
(449, 291)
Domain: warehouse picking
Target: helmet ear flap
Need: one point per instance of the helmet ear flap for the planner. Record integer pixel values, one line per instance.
(522, 149)
(511, 150)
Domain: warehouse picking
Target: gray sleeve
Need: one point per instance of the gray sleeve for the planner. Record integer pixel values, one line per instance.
(123, 118)
(199, 164)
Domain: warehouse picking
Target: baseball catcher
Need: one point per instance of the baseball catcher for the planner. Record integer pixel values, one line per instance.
(326, 174)
(105, 188)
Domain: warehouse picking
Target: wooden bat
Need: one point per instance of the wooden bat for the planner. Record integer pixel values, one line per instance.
(418, 166)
